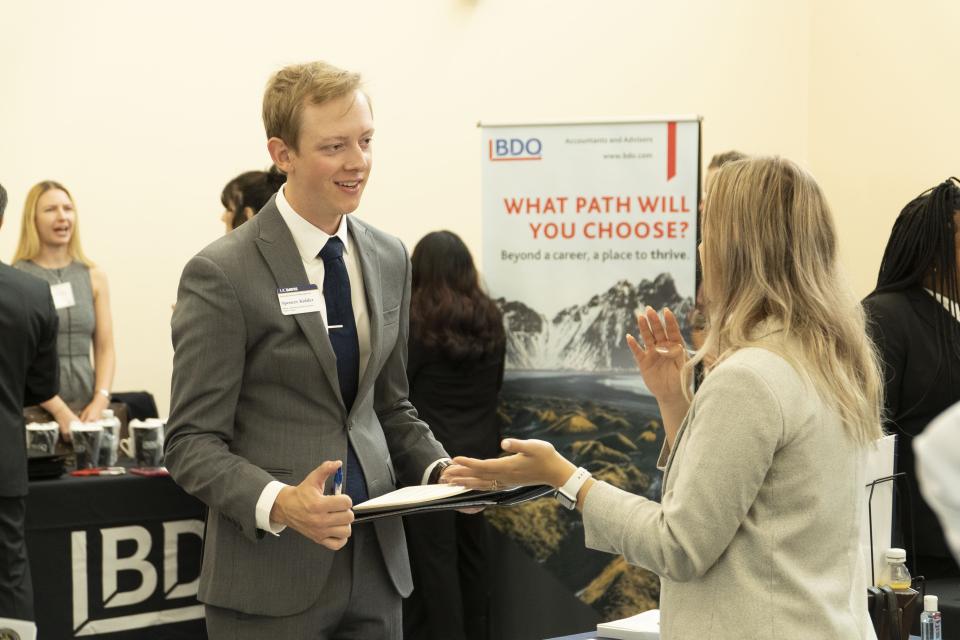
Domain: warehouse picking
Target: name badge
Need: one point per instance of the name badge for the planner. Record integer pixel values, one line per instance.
(305, 299)
(62, 295)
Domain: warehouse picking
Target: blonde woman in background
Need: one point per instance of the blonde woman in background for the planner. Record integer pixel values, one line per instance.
(49, 248)
(757, 532)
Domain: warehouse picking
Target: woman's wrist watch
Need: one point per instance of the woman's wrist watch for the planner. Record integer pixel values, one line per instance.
(567, 494)
(105, 393)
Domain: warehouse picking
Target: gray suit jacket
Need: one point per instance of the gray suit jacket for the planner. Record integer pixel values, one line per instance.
(757, 533)
(255, 398)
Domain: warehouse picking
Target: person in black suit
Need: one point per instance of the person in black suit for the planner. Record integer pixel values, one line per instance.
(914, 317)
(455, 369)
(29, 374)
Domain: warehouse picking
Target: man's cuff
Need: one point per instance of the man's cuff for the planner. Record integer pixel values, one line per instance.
(426, 474)
(265, 505)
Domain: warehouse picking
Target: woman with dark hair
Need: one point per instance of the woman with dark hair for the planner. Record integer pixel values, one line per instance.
(246, 194)
(915, 321)
(455, 369)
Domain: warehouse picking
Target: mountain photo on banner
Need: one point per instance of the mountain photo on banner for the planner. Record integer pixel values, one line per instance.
(572, 381)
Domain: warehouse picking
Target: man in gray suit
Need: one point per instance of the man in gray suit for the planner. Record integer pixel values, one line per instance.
(290, 349)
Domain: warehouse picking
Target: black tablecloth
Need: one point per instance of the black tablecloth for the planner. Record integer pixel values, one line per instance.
(117, 555)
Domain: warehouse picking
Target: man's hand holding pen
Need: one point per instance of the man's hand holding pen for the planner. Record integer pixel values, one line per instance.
(325, 519)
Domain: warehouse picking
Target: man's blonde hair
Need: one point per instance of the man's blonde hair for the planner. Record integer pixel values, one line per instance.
(28, 246)
(289, 90)
(770, 265)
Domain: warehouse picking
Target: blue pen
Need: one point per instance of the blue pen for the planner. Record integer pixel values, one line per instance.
(338, 482)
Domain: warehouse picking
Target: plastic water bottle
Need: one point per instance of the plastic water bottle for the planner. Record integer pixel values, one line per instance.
(896, 575)
(109, 439)
(930, 620)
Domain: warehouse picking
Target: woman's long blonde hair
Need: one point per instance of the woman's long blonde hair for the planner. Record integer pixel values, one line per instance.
(28, 247)
(770, 262)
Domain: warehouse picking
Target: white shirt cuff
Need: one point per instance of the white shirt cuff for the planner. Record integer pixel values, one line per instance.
(265, 505)
(426, 474)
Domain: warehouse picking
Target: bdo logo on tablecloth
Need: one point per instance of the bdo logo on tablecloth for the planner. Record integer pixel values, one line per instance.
(121, 576)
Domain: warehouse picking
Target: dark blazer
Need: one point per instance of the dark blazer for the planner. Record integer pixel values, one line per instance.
(919, 385)
(458, 400)
(29, 369)
(256, 398)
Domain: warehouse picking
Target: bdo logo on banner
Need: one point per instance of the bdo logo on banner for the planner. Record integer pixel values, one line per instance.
(507, 149)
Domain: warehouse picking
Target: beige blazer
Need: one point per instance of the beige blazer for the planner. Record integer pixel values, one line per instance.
(757, 532)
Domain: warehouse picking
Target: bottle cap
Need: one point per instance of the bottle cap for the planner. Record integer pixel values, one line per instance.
(896, 555)
(107, 413)
(929, 603)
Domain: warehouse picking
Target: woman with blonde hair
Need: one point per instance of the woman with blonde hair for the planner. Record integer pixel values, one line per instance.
(49, 248)
(757, 532)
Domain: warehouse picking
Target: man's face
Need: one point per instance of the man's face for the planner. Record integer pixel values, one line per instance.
(329, 171)
(55, 218)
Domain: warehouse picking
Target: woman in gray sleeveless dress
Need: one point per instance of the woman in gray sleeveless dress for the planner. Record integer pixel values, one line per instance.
(49, 248)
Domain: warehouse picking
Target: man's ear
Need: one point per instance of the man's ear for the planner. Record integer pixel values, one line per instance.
(280, 154)
(248, 213)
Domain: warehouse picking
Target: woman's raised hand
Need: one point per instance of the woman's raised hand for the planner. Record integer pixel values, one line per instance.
(661, 354)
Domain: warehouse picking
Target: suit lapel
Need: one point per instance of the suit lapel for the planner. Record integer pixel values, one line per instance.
(278, 249)
(370, 266)
(673, 452)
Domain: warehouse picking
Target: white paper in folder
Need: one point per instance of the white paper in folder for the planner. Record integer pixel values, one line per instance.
(643, 626)
(878, 463)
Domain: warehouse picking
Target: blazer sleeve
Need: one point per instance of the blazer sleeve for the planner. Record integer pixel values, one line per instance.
(43, 374)
(412, 445)
(725, 460)
(892, 342)
(209, 342)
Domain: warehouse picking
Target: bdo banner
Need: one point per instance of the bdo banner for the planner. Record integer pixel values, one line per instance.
(583, 226)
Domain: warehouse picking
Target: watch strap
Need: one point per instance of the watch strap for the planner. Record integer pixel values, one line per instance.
(567, 494)
(438, 471)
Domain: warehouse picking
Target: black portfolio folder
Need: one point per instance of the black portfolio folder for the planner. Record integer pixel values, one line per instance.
(501, 498)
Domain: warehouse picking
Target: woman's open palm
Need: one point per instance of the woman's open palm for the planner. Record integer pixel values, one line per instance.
(661, 355)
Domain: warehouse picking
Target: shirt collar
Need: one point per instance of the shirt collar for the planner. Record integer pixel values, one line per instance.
(953, 308)
(308, 238)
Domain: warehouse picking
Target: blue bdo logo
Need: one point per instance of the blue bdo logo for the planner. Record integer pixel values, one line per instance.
(503, 149)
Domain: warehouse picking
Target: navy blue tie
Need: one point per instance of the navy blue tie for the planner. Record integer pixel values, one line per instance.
(342, 329)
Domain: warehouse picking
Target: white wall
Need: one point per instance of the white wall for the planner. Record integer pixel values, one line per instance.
(145, 111)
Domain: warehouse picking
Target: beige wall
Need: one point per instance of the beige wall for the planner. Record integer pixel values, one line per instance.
(145, 111)
(885, 93)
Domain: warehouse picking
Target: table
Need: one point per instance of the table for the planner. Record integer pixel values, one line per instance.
(594, 636)
(115, 554)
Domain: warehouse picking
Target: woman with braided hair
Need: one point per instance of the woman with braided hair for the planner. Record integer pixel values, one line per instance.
(915, 321)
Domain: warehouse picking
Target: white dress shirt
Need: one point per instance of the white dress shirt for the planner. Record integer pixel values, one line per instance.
(309, 241)
(953, 308)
